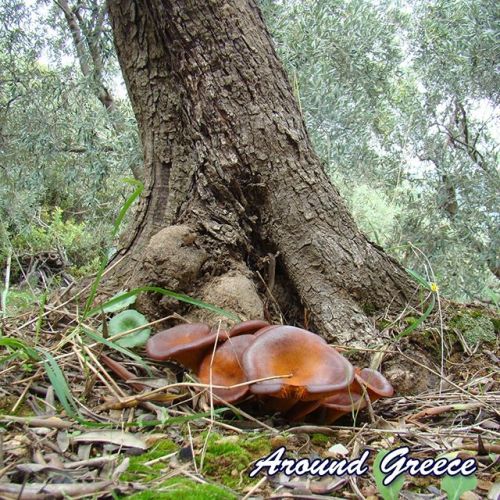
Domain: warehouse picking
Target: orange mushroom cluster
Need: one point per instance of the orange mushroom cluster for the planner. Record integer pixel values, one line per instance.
(287, 369)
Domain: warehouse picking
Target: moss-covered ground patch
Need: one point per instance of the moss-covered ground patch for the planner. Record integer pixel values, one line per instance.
(475, 327)
(227, 458)
(139, 471)
(187, 489)
(320, 439)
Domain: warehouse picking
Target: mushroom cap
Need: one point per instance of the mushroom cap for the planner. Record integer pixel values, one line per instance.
(265, 329)
(220, 332)
(376, 384)
(250, 326)
(352, 399)
(317, 370)
(346, 400)
(185, 344)
(226, 369)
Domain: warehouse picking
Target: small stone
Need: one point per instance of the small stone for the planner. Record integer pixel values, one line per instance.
(337, 450)
(185, 454)
(469, 495)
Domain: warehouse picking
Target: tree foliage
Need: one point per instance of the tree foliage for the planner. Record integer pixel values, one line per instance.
(61, 155)
(401, 101)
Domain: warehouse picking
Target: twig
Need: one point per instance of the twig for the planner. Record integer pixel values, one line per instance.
(5, 291)
(192, 449)
(148, 395)
(21, 397)
(101, 373)
(255, 488)
(50, 422)
(211, 399)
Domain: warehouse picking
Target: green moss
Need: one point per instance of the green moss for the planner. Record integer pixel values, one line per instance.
(137, 471)
(7, 403)
(410, 320)
(320, 439)
(430, 341)
(227, 459)
(225, 463)
(496, 325)
(369, 309)
(257, 445)
(475, 327)
(382, 324)
(183, 488)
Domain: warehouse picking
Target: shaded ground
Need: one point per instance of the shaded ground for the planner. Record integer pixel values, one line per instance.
(167, 442)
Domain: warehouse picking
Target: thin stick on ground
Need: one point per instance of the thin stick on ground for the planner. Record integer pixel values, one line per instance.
(5, 291)
(211, 398)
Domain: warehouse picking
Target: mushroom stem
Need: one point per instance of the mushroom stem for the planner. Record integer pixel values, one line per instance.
(301, 410)
(368, 386)
(270, 404)
(343, 404)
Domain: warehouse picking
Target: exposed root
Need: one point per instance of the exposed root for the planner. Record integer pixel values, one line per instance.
(233, 291)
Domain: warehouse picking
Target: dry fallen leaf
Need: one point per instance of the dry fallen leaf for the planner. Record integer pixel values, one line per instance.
(38, 491)
(119, 438)
(120, 469)
(484, 485)
(469, 495)
(17, 446)
(494, 493)
(151, 439)
(62, 440)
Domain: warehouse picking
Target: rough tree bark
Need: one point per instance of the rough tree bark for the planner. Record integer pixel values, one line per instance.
(233, 177)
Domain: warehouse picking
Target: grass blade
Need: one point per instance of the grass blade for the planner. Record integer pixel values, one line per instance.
(108, 343)
(420, 320)
(174, 295)
(419, 279)
(17, 345)
(60, 385)
(137, 192)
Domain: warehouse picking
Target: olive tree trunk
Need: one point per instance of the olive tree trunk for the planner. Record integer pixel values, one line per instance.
(235, 194)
